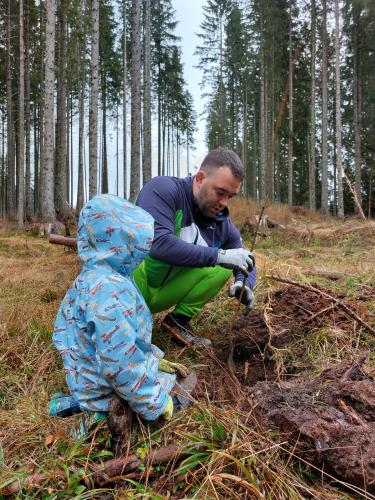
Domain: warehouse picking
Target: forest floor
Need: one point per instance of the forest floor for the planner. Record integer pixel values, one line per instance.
(296, 420)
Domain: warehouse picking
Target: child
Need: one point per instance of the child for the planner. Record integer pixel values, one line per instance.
(103, 327)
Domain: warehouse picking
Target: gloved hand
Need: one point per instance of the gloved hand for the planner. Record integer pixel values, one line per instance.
(168, 410)
(236, 258)
(247, 298)
(170, 367)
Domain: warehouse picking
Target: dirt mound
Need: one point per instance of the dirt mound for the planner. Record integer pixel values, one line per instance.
(290, 314)
(329, 420)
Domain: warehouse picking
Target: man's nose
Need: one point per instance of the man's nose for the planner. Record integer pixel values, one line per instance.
(224, 201)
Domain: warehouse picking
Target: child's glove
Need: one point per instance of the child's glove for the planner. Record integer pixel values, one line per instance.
(168, 410)
(170, 367)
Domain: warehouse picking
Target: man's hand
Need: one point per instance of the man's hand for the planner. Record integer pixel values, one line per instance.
(236, 258)
(247, 298)
(170, 367)
(168, 410)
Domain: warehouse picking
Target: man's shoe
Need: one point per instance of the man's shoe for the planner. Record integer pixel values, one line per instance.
(179, 327)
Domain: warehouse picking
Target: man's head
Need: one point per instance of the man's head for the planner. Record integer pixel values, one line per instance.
(217, 181)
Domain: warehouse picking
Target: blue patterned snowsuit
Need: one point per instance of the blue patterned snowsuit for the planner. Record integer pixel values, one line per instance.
(103, 327)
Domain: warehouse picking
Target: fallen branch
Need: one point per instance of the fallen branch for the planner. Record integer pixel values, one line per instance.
(114, 469)
(338, 302)
(57, 239)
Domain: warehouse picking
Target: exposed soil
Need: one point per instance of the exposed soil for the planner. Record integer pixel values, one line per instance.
(290, 314)
(329, 420)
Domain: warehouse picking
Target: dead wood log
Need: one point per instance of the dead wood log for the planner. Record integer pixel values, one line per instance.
(102, 474)
(338, 302)
(57, 239)
(272, 223)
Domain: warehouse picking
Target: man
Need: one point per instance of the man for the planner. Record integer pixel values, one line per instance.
(196, 246)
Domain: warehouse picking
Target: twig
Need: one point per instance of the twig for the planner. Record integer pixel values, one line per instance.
(231, 344)
(338, 302)
(319, 313)
(102, 473)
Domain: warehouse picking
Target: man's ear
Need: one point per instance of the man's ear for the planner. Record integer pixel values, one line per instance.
(200, 176)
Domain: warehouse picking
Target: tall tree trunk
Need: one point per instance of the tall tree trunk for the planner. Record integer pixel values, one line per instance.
(136, 100)
(11, 188)
(61, 181)
(255, 161)
(104, 188)
(221, 85)
(124, 97)
(28, 192)
(21, 122)
(147, 165)
(81, 139)
(81, 118)
(117, 151)
(262, 136)
(93, 112)
(312, 166)
(290, 118)
(47, 207)
(357, 111)
(340, 195)
(324, 199)
(244, 145)
(3, 168)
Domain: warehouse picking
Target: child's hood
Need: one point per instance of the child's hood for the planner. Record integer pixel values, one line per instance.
(114, 232)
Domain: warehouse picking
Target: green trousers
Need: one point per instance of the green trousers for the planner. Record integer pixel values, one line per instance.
(188, 289)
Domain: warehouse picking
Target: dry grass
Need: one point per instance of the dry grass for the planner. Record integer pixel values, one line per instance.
(239, 461)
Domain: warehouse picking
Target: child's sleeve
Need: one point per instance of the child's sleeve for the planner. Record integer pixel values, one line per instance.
(123, 347)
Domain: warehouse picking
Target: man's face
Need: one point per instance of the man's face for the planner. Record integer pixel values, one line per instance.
(213, 190)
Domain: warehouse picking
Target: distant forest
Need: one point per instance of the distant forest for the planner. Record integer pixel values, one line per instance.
(288, 85)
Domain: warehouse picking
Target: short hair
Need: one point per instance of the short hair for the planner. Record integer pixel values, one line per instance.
(222, 157)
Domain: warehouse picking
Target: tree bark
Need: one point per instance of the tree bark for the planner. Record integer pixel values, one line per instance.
(135, 100)
(324, 198)
(340, 194)
(104, 187)
(357, 110)
(244, 145)
(28, 191)
(124, 103)
(93, 112)
(312, 165)
(61, 181)
(262, 142)
(147, 165)
(11, 188)
(290, 120)
(47, 207)
(21, 122)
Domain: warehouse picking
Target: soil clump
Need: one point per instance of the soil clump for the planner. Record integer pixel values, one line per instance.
(290, 314)
(329, 420)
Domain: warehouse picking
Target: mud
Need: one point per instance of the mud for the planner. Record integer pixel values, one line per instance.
(291, 314)
(329, 420)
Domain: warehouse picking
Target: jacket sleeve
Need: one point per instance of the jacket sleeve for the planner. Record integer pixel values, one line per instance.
(124, 351)
(160, 198)
(234, 240)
